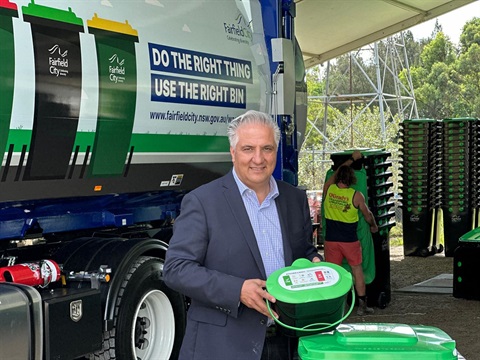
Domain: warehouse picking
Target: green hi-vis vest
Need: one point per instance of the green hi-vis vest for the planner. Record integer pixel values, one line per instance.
(340, 214)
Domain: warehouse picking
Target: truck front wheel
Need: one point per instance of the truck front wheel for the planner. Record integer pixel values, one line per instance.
(149, 318)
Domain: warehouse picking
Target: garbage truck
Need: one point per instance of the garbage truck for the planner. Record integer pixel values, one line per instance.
(111, 111)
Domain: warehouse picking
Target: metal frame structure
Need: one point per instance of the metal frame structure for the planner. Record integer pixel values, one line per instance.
(401, 102)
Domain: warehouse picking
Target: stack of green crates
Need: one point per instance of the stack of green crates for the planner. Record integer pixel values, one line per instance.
(475, 173)
(379, 183)
(421, 176)
(457, 191)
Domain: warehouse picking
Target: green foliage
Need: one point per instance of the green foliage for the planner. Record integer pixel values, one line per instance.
(439, 92)
(314, 82)
(470, 34)
(396, 235)
(413, 48)
(439, 50)
(468, 67)
(356, 128)
(446, 81)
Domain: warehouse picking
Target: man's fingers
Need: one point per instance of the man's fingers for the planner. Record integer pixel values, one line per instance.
(254, 296)
(267, 296)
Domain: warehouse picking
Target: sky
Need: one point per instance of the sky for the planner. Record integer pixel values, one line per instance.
(452, 22)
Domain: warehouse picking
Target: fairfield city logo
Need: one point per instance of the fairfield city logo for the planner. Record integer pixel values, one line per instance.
(58, 61)
(240, 28)
(116, 69)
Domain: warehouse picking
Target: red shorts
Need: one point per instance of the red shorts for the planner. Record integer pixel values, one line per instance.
(335, 252)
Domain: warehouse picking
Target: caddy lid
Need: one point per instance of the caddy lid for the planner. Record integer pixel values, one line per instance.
(305, 282)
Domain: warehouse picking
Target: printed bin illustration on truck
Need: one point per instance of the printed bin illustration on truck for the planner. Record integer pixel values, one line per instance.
(109, 113)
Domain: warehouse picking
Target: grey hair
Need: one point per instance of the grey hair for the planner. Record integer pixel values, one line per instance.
(251, 117)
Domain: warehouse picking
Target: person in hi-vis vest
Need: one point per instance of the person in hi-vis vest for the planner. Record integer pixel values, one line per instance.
(341, 206)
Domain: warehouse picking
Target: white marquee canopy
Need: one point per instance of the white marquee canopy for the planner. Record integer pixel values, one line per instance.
(326, 29)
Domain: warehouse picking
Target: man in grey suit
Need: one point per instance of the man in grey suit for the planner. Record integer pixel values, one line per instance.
(232, 233)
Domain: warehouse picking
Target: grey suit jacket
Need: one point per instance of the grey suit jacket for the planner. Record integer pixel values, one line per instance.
(213, 251)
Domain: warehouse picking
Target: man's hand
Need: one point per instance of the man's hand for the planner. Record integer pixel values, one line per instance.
(253, 295)
(316, 259)
(373, 228)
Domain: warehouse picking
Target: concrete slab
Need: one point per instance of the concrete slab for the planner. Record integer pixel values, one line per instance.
(440, 284)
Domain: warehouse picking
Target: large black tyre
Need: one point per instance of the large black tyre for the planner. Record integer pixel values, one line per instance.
(149, 321)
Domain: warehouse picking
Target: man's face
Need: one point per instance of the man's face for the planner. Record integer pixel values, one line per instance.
(255, 155)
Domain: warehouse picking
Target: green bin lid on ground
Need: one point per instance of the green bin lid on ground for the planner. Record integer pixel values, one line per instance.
(471, 236)
(378, 341)
(305, 282)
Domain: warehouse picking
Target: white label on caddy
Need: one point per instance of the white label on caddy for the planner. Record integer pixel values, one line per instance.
(306, 279)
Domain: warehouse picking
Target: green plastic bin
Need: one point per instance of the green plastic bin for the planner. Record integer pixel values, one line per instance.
(465, 266)
(309, 296)
(379, 342)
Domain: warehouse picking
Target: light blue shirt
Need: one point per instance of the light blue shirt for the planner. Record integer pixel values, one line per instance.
(265, 224)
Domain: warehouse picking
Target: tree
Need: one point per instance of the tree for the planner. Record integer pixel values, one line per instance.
(413, 48)
(468, 67)
(315, 85)
(470, 34)
(439, 92)
(440, 49)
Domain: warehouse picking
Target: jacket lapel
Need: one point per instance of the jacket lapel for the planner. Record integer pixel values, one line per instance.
(282, 209)
(235, 202)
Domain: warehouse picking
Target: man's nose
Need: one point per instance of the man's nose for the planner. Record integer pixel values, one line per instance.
(258, 156)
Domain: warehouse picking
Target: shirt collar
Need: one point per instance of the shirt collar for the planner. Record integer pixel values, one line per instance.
(242, 187)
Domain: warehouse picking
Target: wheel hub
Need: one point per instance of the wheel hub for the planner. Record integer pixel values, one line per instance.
(141, 333)
(154, 327)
